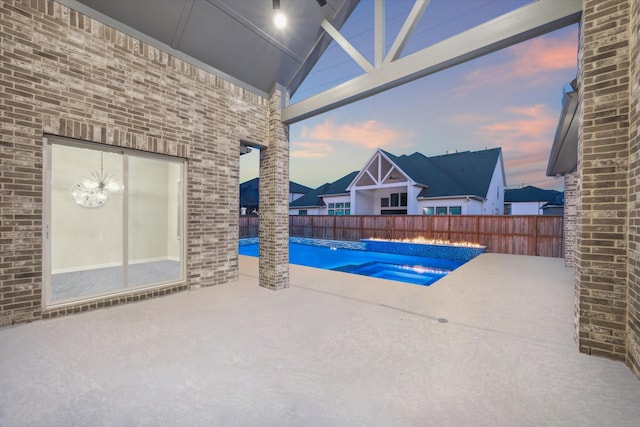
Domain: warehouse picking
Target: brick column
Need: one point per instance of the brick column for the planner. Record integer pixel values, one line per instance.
(570, 201)
(274, 199)
(633, 313)
(603, 166)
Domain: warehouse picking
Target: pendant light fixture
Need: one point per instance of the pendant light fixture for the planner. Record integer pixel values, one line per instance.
(96, 190)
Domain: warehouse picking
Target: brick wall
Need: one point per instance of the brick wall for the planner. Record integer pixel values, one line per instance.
(570, 217)
(603, 152)
(633, 314)
(62, 73)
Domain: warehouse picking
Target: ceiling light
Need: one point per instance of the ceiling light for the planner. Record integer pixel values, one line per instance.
(279, 19)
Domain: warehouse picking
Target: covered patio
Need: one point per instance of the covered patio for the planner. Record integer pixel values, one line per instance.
(490, 344)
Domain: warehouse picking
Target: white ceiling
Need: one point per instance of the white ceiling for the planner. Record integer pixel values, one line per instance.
(236, 37)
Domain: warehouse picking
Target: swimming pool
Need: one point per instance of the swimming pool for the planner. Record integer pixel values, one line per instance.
(403, 268)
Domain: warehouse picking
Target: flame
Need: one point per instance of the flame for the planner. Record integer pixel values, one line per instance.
(425, 241)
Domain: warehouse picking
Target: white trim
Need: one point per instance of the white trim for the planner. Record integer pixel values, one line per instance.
(407, 29)
(524, 23)
(462, 196)
(47, 271)
(111, 264)
(47, 294)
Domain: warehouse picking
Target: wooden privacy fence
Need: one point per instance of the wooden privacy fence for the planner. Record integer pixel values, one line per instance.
(505, 234)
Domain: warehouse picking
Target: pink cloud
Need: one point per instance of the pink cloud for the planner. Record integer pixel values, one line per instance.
(311, 150)
(370, 134)
(527, 61)
(542, 54)
(525, 136)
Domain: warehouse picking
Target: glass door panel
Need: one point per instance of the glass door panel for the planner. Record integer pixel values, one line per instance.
(86, 226)
(154, 221)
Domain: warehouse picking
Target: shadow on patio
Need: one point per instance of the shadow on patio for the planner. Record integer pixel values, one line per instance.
(491, 344)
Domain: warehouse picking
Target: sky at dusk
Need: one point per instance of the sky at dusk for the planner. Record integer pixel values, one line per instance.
(510, 99)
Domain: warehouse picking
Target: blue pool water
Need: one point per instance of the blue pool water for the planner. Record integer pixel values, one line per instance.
(402, 268)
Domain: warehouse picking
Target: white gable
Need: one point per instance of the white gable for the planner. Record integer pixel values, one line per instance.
(379, 171)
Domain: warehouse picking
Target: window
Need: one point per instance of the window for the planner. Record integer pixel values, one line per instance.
(115, 220)
(384, 202)
(395, 200)
(403, 199)
(455, 210)
(428, 211)
(507, 208)
(302, 212)
(441, 210)
(340, 208)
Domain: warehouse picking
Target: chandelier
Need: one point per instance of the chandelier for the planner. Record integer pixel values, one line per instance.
(95, 191)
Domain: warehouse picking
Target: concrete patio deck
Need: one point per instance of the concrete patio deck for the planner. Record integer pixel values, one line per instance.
(490, 344)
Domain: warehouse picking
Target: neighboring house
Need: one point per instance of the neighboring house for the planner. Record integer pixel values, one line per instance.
(555, 207)
(470, 182)
(528, 200)
(250, 191)
(328, 199)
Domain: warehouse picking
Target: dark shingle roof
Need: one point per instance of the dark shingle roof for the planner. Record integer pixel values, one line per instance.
(530, 194)
(249, 191)
(557, 202)
(314, 197)
(467, 173)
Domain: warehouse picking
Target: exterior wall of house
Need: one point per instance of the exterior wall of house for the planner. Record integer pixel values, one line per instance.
(294, 196)
(570, 202)
(494, 203)
(526, 208)
(463, 203)
(607, 278)
(310, 211)
(335, 199)
(364, 203)
(64, 74)
(633, 304)
(474, 207)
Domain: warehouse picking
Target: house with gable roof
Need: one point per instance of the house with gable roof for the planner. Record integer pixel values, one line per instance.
(531, 200)
(250, 195)
(464, 183)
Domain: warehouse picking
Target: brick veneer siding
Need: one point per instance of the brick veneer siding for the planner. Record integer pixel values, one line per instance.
(570, 217)
(603, 169)
(274, 195)
(62, 73)
(633, 314)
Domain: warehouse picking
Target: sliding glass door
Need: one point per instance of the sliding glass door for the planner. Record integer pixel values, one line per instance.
(113, 221)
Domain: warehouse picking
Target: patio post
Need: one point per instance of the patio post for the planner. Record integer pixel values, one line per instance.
(608, 239)
(274, 198)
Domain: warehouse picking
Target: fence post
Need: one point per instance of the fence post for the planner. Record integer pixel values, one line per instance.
(535, 238)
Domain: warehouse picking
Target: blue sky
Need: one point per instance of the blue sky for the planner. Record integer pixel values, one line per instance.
(509, 99)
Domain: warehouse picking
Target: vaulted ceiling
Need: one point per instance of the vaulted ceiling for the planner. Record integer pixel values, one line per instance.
(236, 37)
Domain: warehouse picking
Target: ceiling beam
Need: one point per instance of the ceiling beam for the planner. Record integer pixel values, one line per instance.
(514, 27)
(379, 32)
(407, 29)
(346, 46)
